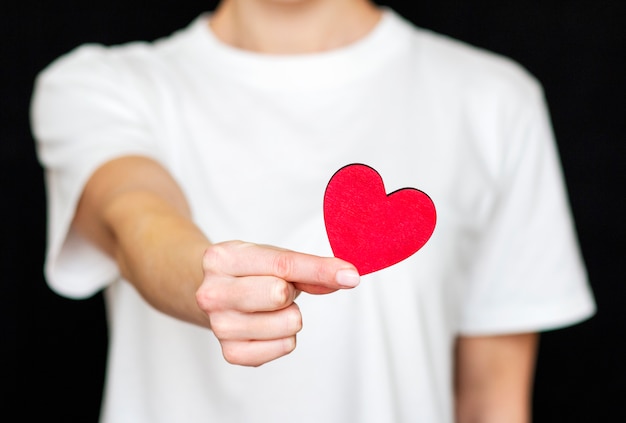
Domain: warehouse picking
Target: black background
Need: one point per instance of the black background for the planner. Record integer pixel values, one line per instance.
(54, 348)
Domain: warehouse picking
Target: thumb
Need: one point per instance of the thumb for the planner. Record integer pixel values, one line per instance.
(345, 278)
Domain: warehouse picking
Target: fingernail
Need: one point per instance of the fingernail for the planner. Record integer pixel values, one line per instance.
(348, 278)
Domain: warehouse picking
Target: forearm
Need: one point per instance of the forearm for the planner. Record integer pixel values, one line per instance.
(494, 378)
(135, 212)
(159, 250)
(493, 407)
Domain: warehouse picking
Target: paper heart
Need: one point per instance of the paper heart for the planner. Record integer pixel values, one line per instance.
(370, 228)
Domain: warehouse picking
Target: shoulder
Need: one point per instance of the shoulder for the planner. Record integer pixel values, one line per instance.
(494, 98)
(129, 63)
(460, 69)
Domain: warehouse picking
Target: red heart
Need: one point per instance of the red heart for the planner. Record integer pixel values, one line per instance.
(367, 227)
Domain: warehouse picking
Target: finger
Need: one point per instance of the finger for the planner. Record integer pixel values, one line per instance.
(313, 289)
(245, 294)
(256, 353)
(233, 326)
(243, 259)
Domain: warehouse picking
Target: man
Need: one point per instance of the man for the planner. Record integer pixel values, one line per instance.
(161, 156)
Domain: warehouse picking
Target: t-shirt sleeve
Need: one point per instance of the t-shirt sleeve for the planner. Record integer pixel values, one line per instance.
(85, 111)
(528, 272)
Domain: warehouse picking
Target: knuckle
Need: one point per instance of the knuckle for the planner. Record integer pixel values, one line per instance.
(281, 294)
(321, 271)
(294, 319)
(283, 265)
(231, 353)
(208, 298)
(236, 354)
(213, 255)
(289, 345)
(216, 256)
(221, 327)
(326, 268)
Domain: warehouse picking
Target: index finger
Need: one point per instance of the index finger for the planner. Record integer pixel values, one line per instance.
(246, 259)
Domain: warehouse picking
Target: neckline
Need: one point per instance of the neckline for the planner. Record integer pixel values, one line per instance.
(301, 71)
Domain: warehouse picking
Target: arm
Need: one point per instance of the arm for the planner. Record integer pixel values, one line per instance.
(135, 212)
(494, 377)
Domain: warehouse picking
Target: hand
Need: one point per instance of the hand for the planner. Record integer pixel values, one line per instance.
(248, 294)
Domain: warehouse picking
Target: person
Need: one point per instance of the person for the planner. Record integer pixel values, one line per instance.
(185, 178)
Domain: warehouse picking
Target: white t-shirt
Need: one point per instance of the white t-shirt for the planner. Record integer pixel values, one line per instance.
(253, 140)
